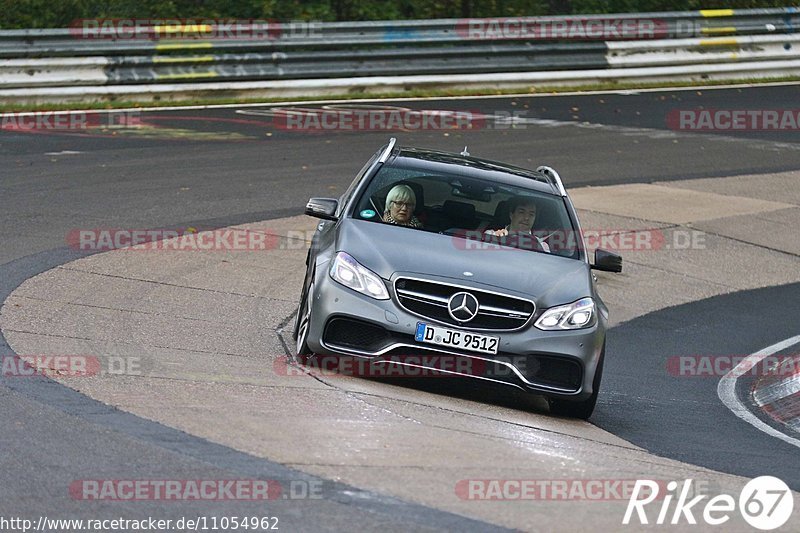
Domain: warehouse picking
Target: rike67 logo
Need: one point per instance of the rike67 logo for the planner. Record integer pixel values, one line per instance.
(765, 503)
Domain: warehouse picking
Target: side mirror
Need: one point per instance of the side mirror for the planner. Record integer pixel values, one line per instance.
(607, 261)
(324, 208)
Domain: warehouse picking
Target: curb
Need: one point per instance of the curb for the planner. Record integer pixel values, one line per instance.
(778, 395)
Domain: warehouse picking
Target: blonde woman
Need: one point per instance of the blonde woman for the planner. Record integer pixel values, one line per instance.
(400, 204)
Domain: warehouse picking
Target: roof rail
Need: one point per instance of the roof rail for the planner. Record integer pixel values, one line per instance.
(387, 151)
(551, 173)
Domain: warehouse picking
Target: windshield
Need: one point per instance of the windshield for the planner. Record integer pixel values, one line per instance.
(492, 213)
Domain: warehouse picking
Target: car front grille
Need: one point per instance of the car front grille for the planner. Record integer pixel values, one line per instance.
(430, 299)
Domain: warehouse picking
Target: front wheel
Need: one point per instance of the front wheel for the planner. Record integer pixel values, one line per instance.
(302, 324)
(584, 409)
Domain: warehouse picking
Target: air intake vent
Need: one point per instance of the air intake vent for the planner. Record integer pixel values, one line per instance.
(551, 371)
(355, 334)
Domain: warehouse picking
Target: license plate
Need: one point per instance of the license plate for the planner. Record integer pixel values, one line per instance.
(456, 339)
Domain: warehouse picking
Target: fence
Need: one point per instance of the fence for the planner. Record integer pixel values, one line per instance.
(115, 59)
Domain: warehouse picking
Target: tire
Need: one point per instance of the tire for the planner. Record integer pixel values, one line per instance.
(584, 409)
(302, 323)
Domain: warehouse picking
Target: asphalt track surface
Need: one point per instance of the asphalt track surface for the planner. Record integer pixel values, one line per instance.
(215, 167)
(670, 415)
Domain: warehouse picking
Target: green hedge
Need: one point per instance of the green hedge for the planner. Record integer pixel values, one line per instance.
(60, 13)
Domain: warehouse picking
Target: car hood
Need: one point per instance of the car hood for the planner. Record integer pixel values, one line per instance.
(389, 250)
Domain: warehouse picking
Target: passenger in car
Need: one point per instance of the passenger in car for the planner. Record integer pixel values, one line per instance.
(522, 214)
(400, 204)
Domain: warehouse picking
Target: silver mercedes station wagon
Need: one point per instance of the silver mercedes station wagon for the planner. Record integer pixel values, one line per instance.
(460, 266)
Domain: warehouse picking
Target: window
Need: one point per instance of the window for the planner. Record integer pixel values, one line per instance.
(467, 207)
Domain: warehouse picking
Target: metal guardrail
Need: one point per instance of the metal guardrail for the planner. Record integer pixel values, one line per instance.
(44, 61)
(677, 24)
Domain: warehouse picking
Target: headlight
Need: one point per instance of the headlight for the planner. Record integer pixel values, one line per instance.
(350, 273)
(576, 315)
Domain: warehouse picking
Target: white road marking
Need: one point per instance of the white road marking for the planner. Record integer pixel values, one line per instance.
(726, 389)
(511, 121)
(63, 152)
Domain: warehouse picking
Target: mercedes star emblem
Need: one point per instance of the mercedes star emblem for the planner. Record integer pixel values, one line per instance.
(462, 306)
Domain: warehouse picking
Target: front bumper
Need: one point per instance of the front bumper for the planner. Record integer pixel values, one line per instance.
(556, 363)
